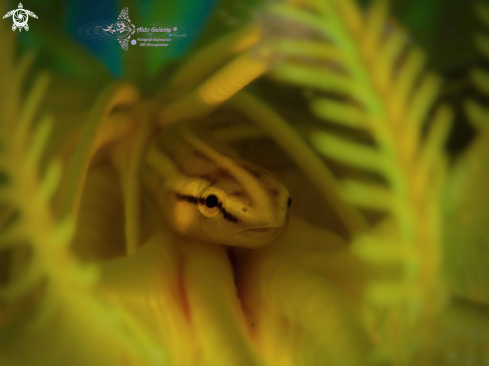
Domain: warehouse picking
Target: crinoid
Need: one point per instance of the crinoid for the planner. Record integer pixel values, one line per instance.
(95, 277)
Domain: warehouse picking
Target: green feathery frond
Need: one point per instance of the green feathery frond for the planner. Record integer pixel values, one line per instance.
(370, 78)
(47, 289)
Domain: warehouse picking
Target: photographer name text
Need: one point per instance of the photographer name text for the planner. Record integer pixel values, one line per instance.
(154, 29)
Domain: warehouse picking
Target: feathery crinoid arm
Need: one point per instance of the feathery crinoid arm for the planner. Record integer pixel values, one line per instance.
(201, 95)
(368, 78)
(47, 297)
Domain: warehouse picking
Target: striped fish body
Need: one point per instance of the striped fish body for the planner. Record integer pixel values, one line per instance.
(206, 192)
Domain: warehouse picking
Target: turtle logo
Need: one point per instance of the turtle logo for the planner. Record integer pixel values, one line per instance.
(20, 17)
(123, 27)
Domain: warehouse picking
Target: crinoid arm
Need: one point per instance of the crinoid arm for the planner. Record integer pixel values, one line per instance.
(204, 95)
(369, 80)
(48, 290)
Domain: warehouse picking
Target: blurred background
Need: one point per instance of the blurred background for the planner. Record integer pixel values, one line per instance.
(444, 29)
(441, 27)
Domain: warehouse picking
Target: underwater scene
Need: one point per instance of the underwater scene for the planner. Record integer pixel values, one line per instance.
(262, 182)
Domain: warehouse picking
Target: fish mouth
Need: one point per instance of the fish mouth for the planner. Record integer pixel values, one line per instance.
(261, 230)
(255, 237)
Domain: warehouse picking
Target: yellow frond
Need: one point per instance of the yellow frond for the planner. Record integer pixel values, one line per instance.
(351, 15)
(314, 78)
(63, 232)
(379, 251)
(389, 55)
(218, 88)
(39, 139)
(384, 92)
(117, 93)
(370, 196)
(209, 58)
(49, 183)
(422, 102)
(389, 293)
(429, 156)
(13, 98)
(347, 152)
(29, 107)
(307, 49)
(340, 112)
(374, 27)
(420, 106)
(403, 86)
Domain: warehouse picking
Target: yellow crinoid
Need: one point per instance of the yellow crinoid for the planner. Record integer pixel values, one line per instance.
(91, 277)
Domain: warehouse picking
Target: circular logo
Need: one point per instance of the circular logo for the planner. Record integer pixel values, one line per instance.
(20, 17)
(175, 28)
(133, 42)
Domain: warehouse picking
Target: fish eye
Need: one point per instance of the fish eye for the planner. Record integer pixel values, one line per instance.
(211, 201)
